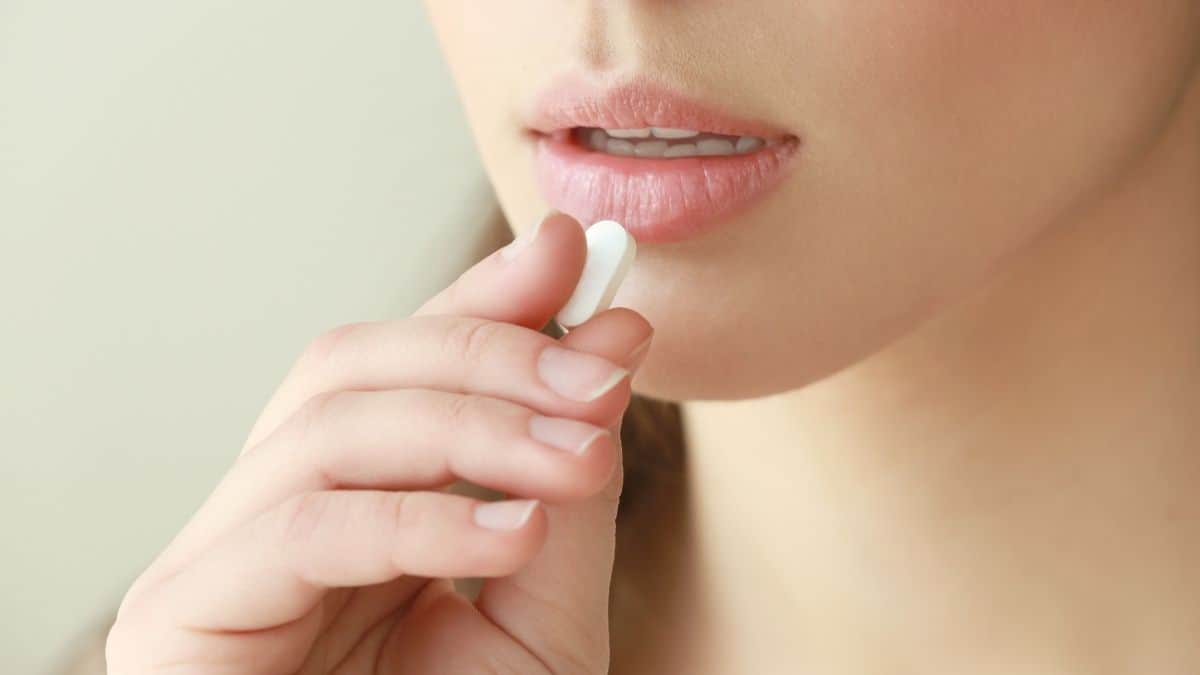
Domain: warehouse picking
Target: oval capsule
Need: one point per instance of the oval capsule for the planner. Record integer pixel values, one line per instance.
(610, 254)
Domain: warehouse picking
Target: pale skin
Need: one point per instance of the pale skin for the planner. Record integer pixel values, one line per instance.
(1014, 487)
(954, 424)
(329, 546)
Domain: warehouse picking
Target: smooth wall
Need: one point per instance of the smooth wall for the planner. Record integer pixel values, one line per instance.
(189, 192)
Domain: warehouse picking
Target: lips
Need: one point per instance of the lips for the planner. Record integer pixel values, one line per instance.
(666, 166)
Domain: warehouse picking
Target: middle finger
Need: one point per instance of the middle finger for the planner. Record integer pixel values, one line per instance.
(412, 439)
(460, 355)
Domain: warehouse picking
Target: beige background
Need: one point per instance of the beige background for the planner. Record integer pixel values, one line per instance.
(190, 191)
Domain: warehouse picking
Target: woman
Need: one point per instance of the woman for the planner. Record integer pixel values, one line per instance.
(923, 278)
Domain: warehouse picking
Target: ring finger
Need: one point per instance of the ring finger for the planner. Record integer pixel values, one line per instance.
(408, 439)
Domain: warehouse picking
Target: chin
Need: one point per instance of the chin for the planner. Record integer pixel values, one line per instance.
(716, 340)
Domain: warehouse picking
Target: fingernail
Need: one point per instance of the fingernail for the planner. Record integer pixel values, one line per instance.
(638, 354)
(514, 248)
(576, 375)
(565, 434)
(504, 516)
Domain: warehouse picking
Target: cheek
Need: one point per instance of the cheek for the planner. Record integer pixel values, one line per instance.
(940, 140)
(1005, 102)
(951, 134)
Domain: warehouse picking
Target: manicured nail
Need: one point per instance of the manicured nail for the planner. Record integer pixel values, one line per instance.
(565, 434)
(504, 516)
(514, 248)
(576, 375)
(638, 354)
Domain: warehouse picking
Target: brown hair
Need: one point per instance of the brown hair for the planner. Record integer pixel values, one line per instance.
(650, 516)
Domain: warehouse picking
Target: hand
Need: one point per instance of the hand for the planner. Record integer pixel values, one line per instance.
(330, 545)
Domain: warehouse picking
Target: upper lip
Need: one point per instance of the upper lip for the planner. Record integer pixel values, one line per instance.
(634, 104)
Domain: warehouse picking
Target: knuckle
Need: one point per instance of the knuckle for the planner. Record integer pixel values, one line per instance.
(325, 347)
(137, 603)
(119, 645)
(471, 341)
(464, 410)
(134, 595)
(300, 518)
(404, 511)
(135, 644)
(312, 419)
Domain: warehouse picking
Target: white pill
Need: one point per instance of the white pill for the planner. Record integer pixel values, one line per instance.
(610, 253)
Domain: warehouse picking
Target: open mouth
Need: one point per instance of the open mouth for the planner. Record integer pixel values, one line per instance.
(665, 166)
(667, 142)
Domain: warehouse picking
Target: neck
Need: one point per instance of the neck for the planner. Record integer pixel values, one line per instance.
(1015, 484)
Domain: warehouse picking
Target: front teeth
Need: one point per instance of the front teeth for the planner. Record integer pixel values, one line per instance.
(629, 133)
(681, 150)
(650, 148)
(668, 132)
(715, 146)
(667, 142)
(616, 146)
(657, 132)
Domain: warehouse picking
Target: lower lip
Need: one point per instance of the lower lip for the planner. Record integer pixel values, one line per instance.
(657, 200)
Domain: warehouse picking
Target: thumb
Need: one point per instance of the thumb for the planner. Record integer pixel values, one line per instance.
(557, 605)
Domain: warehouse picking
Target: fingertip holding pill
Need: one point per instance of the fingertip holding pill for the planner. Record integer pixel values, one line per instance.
(610, 253)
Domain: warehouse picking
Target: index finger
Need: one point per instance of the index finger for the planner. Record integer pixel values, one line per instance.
(524, 283)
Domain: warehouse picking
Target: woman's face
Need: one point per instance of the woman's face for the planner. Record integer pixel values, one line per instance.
(935, 139)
